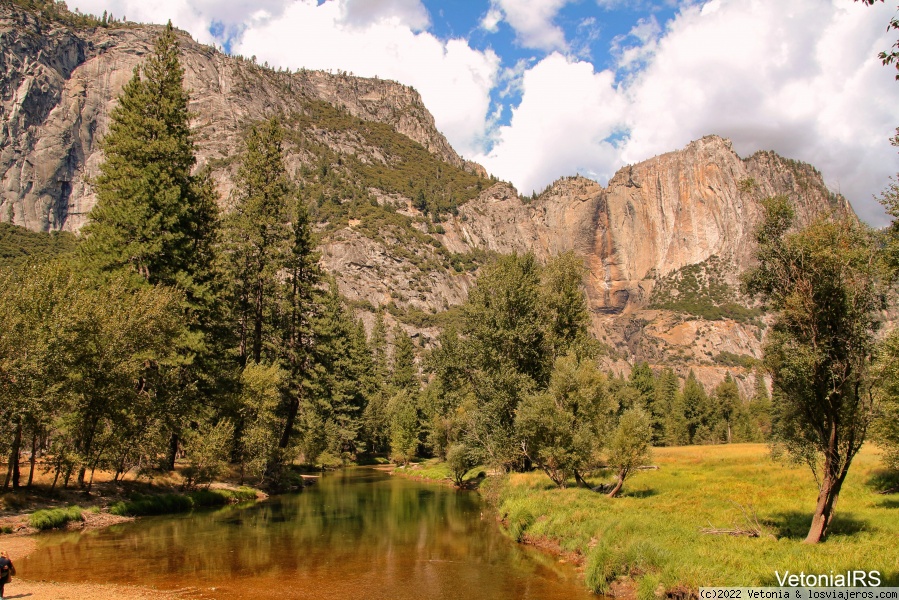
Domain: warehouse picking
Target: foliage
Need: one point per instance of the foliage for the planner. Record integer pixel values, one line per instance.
(259, 399)
(826, 286)
(562, 427)
(886, 431)
(207, 448)
(404, 428)
(18, 245)
(891, 56)
(53, 518)
(460, 462)
(726, 358)
(141, 505)
(405, 168)
(629, 446)
(57, 11)
(701, 290)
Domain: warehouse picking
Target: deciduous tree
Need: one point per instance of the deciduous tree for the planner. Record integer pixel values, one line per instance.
(826, 288)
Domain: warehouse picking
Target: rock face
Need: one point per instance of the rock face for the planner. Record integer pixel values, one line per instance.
(58, 86)
(686, 209)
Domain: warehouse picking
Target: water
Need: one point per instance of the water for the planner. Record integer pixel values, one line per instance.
(357, 534)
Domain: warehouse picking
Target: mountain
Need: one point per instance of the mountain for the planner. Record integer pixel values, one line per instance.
(403, 221)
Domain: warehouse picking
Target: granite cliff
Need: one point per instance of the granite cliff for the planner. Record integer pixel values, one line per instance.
(404, 222)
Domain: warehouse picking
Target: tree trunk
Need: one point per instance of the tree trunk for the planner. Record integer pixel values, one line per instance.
(824, 510)
(292, 409)
(12, 473)
(580, 480)
(829, 492)
(33, 452)
(172, 453)
(257, 325)
(619, 484)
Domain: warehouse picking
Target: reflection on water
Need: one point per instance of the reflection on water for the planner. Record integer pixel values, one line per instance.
(357, 534)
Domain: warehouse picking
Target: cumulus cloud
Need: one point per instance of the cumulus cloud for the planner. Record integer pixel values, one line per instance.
(801, 78)
(532, 21)
(561, 126)
(453, 78)
(798, 77)
(363, 13)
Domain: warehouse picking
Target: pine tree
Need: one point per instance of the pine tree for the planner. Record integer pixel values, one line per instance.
(258, 240)
(152, 216)
(404, 375)
(298, 307)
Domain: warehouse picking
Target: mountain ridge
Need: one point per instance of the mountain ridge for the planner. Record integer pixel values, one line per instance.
(403, 221)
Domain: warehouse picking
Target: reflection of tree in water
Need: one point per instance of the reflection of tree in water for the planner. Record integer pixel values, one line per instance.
(354, 531)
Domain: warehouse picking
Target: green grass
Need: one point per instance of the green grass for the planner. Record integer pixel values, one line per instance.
(652, 534)
(437, 470)
(53, 518)
(163, 504)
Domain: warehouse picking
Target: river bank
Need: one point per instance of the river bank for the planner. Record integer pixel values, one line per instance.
(655, 539)
(20, 539)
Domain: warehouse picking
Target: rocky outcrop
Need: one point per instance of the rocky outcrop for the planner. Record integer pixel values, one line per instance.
(58, 86)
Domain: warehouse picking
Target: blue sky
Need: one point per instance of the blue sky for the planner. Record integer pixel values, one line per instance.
(539, 89)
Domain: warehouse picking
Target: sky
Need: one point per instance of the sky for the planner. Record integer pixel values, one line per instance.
(535, 90)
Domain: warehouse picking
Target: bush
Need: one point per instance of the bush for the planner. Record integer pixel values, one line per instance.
(54, 517)
(459, 461)
(163, 504)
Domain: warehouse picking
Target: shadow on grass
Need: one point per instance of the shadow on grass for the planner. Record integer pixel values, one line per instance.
(884, 481)
(889, 503)
(639, 493)
(794, 525)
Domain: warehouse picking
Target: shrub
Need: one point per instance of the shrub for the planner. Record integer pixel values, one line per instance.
(162, 504)
(54, 517)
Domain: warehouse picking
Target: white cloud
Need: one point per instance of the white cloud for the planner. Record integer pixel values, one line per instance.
(454, 80)
(362, 13)
(566, 112)
(801, 78)
(532, 21)
(490, 22)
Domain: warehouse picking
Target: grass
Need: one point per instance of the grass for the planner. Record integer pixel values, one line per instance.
(53, 518)
(162, 504)
(652, 534)
(437, 470)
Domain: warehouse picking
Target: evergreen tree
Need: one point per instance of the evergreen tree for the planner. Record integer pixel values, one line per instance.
(258, 246)
(152, 217)
(563, 308)
(729, 409)
(298, 283)
(338, 390)
(672, 424)
(697, 409)
(760, 409)
(404, 374)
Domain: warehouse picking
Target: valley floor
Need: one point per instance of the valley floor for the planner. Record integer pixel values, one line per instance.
(651, 539)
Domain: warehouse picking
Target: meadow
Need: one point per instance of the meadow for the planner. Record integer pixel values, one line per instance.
(652, 536)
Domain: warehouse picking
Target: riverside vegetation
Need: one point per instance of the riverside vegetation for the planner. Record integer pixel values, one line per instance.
(170, 329)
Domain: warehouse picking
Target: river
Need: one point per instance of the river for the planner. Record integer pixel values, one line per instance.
(356, 534)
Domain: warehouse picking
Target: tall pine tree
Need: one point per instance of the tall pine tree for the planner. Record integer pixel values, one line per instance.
(153, 217)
